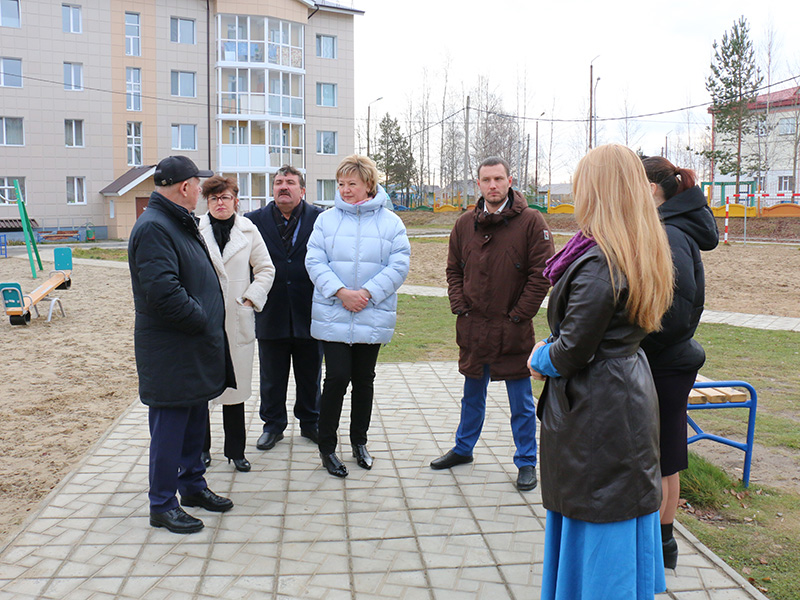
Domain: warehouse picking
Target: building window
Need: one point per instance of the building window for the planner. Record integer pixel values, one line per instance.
(71, 18)
(787, 126)
(73, 76)
(326, 94)
(133, 38)
(285, 45)
(183, 84)
(76, 190)
(326, 46)
(10, 72)
(327, 142)
(259, 40)
(326, 189)
(184, 137)
(73, 133)
(133, 88)
(8, 194)
(181, 31)
(134, 143)
(759, 183)
(9, 13)
(786, 183)
(286, 145)
(285, 94)
(11, 132)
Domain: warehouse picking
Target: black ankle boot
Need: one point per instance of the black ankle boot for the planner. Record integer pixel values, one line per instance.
(669, 546)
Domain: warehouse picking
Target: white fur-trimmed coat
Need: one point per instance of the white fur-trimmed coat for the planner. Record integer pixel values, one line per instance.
(245, 249)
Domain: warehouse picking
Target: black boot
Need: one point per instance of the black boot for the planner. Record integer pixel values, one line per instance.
(669, 546)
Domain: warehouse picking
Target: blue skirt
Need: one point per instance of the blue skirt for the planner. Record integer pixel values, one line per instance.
(602, 561)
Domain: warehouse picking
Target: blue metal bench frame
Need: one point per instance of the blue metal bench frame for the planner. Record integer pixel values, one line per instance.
(751, 404)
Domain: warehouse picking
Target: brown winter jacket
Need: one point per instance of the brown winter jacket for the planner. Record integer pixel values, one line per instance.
(495, 284)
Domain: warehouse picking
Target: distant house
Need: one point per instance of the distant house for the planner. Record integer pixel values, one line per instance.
(777, 140)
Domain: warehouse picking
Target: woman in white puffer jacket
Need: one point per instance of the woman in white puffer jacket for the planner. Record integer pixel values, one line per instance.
(358, 256)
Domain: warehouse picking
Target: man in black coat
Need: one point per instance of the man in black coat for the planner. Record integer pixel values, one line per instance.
(283, 327)
(182, 353)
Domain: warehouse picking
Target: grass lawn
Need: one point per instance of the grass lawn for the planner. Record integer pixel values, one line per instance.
(117, 254)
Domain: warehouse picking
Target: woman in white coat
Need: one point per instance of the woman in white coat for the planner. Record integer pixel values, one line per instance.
(236, 247)
(358, 256)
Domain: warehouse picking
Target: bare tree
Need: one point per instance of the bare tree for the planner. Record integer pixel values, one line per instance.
(495, 131)
(629, 128)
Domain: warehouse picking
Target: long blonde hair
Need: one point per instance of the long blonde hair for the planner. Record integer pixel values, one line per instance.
(613, 204)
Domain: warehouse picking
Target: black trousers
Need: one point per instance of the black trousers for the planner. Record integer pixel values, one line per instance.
(233, 427)
(673, 389)
(343, 364)
(176, 436)
(275, 357)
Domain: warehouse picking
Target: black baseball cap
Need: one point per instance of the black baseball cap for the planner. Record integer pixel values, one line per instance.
(175, 169)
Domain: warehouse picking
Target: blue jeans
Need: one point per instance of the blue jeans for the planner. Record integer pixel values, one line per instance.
(523, 417)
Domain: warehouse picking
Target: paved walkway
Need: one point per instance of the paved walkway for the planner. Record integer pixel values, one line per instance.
(399, 531)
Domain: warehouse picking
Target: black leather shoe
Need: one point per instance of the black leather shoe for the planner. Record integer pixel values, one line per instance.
(310, 434)
(208, 500)
(670, 549)
(241, 464)
(363, 459)
(176, 520)
(206, 458)
(526, 480)
(268, 440)
(451, 459)
(332, 463)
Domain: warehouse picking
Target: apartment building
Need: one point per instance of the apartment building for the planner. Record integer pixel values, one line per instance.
(93, 93)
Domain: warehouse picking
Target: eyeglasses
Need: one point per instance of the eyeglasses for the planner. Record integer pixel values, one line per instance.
(224, 198)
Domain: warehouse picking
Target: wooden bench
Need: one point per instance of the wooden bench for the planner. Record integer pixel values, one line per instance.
(18, 306)
(707, 394)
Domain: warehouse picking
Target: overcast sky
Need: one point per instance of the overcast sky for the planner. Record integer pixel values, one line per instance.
(656, 57)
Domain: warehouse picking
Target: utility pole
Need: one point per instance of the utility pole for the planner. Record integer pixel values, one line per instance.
(536, 168)
(466, 156)
(528, 155)
(368, 107)
(591, 93)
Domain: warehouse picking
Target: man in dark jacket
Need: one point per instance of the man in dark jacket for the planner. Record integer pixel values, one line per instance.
(495, 283)
(283, 327)
(182, 353)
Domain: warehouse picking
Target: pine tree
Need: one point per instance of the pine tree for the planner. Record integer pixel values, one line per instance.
(733, 85)
(394, 157)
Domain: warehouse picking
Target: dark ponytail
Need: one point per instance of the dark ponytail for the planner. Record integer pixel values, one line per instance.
(670, 178)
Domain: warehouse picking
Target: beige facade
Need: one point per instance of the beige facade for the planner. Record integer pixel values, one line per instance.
(242, 103)
(776, 142)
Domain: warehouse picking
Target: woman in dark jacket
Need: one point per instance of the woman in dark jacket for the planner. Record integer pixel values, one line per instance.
(675, 357)
(601, 483)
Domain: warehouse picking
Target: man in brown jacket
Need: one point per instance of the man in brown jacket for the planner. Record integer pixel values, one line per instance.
(495, 283)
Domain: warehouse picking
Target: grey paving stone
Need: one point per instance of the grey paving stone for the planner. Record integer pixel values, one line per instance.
(399, 531)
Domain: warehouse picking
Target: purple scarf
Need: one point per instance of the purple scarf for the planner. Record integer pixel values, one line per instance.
(577, 245)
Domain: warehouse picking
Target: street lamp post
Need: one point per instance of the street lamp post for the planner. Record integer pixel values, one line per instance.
(596, 139)
(368, 107)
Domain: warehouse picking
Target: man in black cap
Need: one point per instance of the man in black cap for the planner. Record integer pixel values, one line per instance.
(182, 353)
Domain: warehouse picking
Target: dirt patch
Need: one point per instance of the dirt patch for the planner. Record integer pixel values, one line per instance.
(751, 278)
(64, 382)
